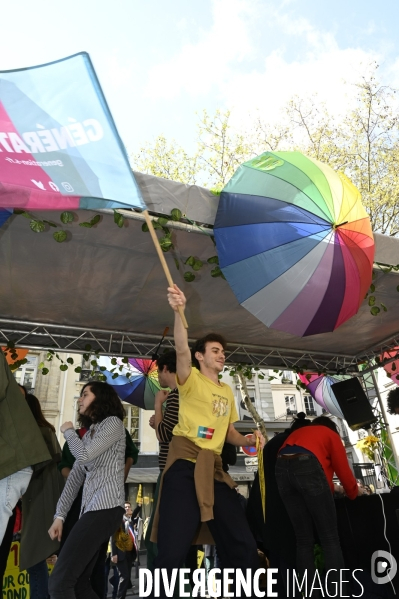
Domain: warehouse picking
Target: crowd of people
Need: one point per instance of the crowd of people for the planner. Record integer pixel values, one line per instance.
(73, 501)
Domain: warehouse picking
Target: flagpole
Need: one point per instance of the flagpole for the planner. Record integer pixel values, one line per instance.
(163, 261)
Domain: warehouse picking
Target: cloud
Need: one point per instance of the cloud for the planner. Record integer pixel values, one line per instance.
(119, 71)
(393, 72)
(182, 24)
(215, 63)
(199, 66)
(255, 56)
(323, 68)
(329, 76)
(320, 69)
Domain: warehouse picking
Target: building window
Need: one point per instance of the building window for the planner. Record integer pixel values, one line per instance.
(345, 435)
(26, 374)
(287, 376)
(309, 405)
(290, 404)
(88, 373)
(132, 422)
(243, 412)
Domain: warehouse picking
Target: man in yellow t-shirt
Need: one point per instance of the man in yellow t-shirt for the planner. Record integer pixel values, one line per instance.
(206, 410)
(206, 415)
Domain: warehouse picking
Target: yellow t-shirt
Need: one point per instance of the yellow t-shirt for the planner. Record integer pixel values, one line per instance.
(205, 411)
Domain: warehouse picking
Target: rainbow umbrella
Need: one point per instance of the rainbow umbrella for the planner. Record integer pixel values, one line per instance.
(319, 387)
(140, 387)
(294, 243)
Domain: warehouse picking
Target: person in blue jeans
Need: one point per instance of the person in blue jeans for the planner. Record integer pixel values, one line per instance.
(38, 580)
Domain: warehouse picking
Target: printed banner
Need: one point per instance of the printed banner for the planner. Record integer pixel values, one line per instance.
(59, 147)
(16, 583)
(205, 432)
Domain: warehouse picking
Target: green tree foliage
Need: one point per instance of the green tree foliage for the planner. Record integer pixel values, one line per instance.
(220, 151)
(167, 160)
(363, 143)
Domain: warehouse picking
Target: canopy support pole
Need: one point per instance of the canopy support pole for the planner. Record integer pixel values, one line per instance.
(385, 419)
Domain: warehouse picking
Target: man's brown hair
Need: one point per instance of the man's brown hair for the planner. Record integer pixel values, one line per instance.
(200, 345)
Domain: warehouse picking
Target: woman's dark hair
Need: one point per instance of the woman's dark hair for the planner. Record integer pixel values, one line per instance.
(300, 421)
(36, 410)
(326, 421)
(105, 404)
(24, 389)
(167, 359)
(393, 400)
(200, 345)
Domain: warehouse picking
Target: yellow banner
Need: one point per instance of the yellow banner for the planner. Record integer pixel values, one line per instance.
(16, 583)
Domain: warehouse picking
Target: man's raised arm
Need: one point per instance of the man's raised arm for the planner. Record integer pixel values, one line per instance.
(177, 298)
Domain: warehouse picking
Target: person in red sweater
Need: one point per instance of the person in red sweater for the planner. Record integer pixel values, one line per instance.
(304, 471)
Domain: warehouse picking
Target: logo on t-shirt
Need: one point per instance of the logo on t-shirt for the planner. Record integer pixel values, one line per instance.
(219, 405)
(205, 433)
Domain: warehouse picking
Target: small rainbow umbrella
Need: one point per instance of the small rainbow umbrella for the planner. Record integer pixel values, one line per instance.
(294, 243)
(319, 387)
(140, 388)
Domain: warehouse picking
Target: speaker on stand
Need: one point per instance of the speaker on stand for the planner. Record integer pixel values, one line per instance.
(354, 404)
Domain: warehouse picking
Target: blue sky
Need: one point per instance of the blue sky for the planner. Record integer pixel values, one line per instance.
(161, 61)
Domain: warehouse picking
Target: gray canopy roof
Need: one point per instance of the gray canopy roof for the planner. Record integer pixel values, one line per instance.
(105, 286)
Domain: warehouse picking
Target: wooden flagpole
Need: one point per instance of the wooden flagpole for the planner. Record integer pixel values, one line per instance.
(163, 261)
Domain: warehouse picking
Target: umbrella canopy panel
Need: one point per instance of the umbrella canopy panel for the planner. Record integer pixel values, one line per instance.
(295, 243)
(320, 389)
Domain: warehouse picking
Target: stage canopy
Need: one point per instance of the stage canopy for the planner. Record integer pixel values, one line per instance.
(105, 287)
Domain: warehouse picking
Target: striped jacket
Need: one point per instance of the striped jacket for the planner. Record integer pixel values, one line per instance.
(100, 461)
(166, 426)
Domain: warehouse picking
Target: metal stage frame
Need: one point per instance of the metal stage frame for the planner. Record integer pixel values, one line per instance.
(73, 339)
(68, 338)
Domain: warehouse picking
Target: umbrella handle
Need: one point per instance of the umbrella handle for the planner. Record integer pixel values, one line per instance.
(163, 261)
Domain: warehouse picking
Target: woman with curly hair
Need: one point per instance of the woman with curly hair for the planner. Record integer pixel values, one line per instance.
(99, 466)
(393, 401)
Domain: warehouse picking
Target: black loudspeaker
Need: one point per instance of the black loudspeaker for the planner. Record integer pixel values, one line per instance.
(354, 403)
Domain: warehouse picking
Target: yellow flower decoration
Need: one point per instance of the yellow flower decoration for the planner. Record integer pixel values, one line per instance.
(368, 445)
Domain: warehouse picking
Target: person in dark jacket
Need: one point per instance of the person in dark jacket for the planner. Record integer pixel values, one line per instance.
(38, 507)
(304, 472)
(274, 535)
(21, 445)
(124, 559)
